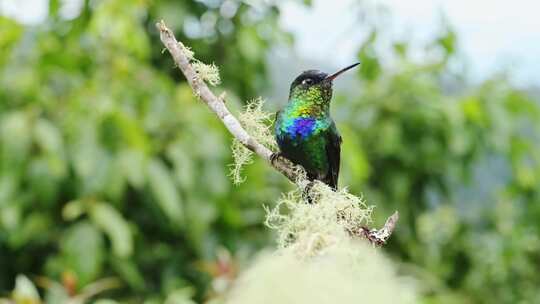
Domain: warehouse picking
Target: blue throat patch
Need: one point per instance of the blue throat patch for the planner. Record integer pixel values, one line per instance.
(302, 126)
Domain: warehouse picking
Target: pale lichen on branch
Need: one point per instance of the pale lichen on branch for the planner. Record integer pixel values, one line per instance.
(311, 229)
(217, 105)
(196, 74)
(258, 122)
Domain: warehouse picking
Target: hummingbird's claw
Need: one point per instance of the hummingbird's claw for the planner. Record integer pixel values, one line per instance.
(274, 157)
(307, 194)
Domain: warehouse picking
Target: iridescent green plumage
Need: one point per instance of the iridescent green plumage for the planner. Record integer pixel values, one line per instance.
(305, 132)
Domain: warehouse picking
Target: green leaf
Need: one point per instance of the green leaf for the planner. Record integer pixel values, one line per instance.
(73, 210)
(132, 164)
(15, 136)
(180, 296)
(105, 301)
(56, 293)
(473, 111)
(35, 227)
(162, 186)
(48, 137)
(249, 44)
(8, 186)
(448, 42)
(370, 67)
(10, 217)
(400, 48)
(10, 33)
(114, 226)
(25, 291)
(127, 270)
(83, 251)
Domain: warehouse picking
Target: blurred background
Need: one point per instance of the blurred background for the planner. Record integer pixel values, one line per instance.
(114, 178)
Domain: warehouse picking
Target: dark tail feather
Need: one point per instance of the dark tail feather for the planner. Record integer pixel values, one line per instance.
(306, 193)
(331, 181)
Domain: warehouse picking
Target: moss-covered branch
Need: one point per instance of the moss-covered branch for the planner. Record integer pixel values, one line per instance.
(183, 58)
(217, 105)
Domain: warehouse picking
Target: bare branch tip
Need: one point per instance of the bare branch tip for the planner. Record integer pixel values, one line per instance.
(161, 25)
(393, 218)
(163, 29)
(222, 96)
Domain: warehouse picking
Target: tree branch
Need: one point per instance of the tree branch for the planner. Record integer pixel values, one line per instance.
(379, 237)
(217, 105)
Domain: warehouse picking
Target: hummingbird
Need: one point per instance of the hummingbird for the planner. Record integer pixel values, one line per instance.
(305, 132)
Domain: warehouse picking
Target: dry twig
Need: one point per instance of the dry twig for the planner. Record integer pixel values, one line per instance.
(380, 236)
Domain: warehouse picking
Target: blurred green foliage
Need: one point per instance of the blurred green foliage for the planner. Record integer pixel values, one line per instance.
(461, 164)
(109, 167)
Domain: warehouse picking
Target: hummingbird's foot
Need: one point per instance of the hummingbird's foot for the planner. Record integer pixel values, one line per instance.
(275, 156)
(308, 196)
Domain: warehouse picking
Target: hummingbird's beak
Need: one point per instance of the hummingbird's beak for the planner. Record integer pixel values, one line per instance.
(336, 74)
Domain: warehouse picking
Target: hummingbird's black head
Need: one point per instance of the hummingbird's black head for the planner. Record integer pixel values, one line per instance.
(316, 82)
(311, 85)
(309, 78)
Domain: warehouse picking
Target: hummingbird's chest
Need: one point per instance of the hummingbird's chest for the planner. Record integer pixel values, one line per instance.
(303, 140)
(301, 121)
(301, 129)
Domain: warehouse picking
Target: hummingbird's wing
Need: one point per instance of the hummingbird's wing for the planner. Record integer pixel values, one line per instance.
(333, 154)
(276, 117)
(276, 124)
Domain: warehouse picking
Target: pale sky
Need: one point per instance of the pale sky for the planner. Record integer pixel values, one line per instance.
(494, 34)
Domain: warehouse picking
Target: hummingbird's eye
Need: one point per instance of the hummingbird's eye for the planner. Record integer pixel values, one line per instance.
(307, 81)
